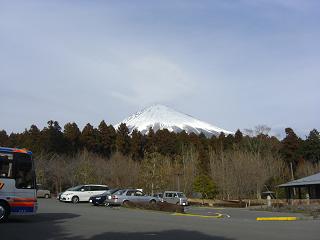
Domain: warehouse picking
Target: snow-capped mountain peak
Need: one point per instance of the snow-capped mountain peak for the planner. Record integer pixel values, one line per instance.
(161, 117)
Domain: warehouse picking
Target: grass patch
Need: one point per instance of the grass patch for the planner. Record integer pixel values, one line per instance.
(308, 210)
(160, 206)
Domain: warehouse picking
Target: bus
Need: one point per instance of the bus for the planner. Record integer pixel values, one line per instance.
(17, 183)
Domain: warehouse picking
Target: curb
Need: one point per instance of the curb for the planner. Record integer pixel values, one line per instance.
(219, 215)
(277, 219)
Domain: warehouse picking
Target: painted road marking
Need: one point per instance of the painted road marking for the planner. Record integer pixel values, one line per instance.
(219, 215)
(277, 219)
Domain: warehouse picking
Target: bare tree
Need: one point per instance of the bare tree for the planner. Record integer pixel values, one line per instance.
(240, 174)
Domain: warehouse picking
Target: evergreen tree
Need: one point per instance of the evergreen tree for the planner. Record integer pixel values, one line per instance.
(311, 147)
(113, 137)
(203, 149)
(221, 142)
(203, 184)
(4, 138)
(89, 138)
(105, 139)
(182, 141)
(123, 140)
(72, 135)
(290, 148)
(238, 136)
(32, 139)
(229, 142)
(166, 143)
(151, 141)
(15, 140)
(52, 138)
(137, 145)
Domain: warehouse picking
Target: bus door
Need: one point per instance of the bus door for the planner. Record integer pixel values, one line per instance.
(25, 184)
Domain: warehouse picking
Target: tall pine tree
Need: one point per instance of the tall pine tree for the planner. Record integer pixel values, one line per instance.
(311, 147)
(123, 140)
(72, 135)
(291, 148)
(89, 138)
(105, 139)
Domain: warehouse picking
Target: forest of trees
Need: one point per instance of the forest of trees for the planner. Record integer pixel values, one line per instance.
(226, 167)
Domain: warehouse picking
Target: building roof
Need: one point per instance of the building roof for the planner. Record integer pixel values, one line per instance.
(310, 180)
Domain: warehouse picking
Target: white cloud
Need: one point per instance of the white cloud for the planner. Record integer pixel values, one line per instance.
(153, 79)
(297, 5)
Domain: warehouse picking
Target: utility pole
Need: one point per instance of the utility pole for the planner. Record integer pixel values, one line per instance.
(292, 178)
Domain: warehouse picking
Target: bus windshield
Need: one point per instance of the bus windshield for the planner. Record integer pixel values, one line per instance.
(23, 171)
(18, 166)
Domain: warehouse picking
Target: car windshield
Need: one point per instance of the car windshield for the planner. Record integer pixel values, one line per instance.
(181, 195)
(119, 192)
(76, 188)
(112, 191)
(104, 193)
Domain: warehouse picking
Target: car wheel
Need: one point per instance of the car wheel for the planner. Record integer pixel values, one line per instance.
(153, 202)
(75, 199)
(107, 204)
(178, 204)
(4, 212)
(46, 196)
(125, 203)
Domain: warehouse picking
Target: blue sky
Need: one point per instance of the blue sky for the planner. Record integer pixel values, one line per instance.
(235, 64)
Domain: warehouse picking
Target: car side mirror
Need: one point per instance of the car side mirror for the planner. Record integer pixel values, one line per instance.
(82, 190)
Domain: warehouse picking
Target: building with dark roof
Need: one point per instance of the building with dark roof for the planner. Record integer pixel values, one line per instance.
(308, 185)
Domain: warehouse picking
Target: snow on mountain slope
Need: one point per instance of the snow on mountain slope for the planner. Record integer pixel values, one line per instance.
(162, 117)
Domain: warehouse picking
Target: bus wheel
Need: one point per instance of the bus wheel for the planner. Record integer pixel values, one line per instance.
(75, 199)
(4, 212)
(46, 196)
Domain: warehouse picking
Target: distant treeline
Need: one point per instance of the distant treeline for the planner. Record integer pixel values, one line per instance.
(232, 166)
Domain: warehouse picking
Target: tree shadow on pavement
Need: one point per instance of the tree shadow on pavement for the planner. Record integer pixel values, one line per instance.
(163, 235)
(43, 226)
(52, 226)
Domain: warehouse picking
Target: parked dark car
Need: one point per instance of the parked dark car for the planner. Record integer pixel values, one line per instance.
(101, 198)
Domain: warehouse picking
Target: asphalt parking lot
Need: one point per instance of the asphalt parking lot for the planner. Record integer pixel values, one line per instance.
(57, 220)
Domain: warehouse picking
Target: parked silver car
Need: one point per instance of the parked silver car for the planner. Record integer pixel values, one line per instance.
(42, 193)
(175, 198)
(126, 196)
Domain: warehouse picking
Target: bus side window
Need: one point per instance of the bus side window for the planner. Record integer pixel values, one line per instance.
(5, 168)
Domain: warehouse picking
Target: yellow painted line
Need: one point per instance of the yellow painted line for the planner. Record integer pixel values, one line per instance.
(197, 215)
(277, 219)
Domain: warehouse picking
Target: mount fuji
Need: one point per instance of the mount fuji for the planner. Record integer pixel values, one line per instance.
(160, 117)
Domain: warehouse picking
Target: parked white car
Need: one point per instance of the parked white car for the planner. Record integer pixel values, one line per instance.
(82, 193)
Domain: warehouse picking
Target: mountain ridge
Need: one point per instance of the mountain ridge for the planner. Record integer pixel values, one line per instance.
(158, 117)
